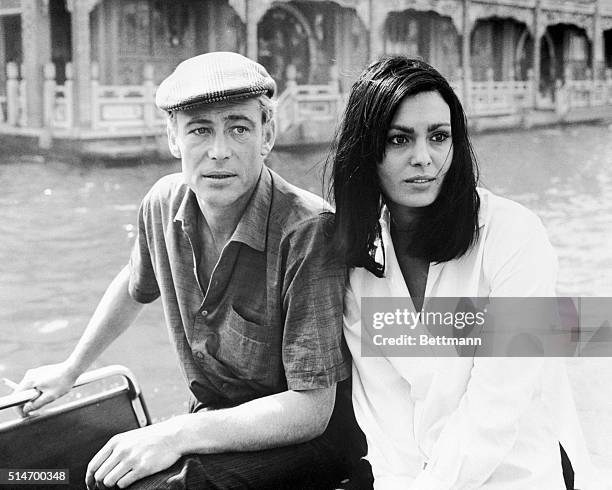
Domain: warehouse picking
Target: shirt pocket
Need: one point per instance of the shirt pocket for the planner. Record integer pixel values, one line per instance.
(244, 347)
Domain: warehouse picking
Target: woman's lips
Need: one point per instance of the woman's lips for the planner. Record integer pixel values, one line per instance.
(422, 179)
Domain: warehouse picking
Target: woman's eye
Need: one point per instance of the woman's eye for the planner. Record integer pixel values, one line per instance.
(397, 140)
(440, 137)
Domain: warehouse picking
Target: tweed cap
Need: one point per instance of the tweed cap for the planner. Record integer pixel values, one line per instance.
(213, 77)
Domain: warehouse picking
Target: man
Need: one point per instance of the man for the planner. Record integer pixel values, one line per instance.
(252, 297)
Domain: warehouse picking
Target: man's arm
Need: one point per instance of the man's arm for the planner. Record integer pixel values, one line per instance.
(276, 420)
(286, 418)
(114, 314)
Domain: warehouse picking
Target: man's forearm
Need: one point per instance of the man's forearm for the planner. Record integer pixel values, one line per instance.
(114, 314)
(282, 419)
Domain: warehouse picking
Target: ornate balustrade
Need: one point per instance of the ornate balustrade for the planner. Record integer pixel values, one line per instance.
(58, 99)
(14, 102)
(589, 93)
(117, 108)
(2, 109)
(302, 103)
(492, 98)
(286, 109)
(495, 98)
(308, 103)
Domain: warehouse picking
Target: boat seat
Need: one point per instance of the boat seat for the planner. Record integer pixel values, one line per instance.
(69, 435)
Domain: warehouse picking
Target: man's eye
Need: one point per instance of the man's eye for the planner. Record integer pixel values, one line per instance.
(240, 130)
(440, 137)
(201, 131)
(397, 140)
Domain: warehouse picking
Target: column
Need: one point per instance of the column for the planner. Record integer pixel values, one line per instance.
(2, 57)
(211, 14)
(378, 15)
(465, 54)
(508, 53)
(597, 53)
(537, 48)
(252, 19)
(36, 49)
(112, 14)
(81, 60)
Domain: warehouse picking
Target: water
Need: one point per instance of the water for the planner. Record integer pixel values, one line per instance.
(66, 231)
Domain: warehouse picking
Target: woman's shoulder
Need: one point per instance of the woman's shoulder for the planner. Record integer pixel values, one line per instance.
(505, 219)
(495, 208)
(515, 244)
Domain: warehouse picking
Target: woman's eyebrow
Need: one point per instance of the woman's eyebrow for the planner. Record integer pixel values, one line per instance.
(409, 130)
(433, 127)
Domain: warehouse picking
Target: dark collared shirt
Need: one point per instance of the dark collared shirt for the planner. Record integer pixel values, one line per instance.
(271, 319)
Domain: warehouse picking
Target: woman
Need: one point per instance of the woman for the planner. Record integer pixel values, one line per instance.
(411, 222)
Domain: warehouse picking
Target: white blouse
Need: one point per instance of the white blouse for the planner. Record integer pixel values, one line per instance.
(464, 423)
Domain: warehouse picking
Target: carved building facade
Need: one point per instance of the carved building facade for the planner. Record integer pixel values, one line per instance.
(113, 43)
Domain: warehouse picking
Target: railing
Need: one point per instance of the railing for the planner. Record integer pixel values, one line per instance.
(2, 109)
(132, 107)
(300, 103)
(493, 98)
(58, 99)
(589, 93)
(14, 103)
(116, 107)
(286, 110)
(496, 98)
(308, 103)
(22, 104)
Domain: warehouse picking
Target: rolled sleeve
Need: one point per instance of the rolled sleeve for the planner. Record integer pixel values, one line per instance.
(313, 349)
(143, 285)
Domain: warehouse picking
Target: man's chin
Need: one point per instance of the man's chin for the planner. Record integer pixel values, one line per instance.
(224, 189)
(217, 200)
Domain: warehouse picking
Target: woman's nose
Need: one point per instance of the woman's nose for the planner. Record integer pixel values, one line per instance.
(420, 154)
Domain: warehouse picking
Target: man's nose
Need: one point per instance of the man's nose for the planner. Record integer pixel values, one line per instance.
(420, 155)
(219, 149)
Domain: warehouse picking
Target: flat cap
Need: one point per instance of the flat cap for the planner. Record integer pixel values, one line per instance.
(213, 77)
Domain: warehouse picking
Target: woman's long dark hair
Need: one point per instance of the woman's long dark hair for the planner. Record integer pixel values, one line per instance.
(449, 226)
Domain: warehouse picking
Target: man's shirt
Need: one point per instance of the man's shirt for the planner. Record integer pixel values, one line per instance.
(271, 317)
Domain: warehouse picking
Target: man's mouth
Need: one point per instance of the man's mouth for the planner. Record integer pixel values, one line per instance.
(218, 175)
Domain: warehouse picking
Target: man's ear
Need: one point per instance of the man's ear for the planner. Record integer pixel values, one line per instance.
(172, 144)
(269, 136)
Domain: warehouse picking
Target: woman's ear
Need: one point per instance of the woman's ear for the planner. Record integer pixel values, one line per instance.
(172, 143)
(269, 136)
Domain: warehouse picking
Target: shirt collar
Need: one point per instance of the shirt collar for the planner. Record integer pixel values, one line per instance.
(381, 243)
(385, 216)
(252, 227)
(186, 212)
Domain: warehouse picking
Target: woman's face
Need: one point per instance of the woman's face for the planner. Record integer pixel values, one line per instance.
(418, 153)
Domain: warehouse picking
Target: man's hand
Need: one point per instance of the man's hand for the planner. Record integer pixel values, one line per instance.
(114, 314)
(133, 455)
(52, 381)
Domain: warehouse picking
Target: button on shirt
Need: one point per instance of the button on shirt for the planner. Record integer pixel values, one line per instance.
(452, 423)
(271, 319)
